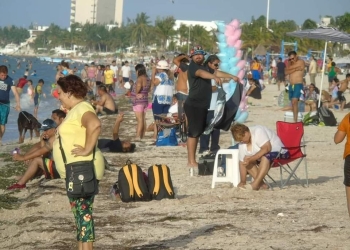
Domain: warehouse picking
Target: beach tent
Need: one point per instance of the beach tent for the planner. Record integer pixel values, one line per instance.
(328, 34)
(259, 51)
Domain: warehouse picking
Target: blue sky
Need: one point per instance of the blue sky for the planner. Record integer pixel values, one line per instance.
(44, 12)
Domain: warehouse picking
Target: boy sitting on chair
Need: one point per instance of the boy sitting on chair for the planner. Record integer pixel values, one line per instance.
(257, 145)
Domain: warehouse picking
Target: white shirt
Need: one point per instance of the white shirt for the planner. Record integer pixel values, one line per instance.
(173, 109)
(115, 69)
(126, 71)
(273, 64)
(214, 96)
(259, 136)
(313, 67)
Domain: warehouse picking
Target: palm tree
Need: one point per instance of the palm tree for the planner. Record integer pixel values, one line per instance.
(309, 24)
(200, 36)
(140, 27)
(165, 29)
(183, 33)
(343, 22)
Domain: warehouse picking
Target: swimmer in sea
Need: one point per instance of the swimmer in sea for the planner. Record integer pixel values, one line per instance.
(30, 90)
(37, 94)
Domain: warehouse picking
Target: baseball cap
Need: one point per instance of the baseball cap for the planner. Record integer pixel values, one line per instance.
(48, 124)
(198, 50)
(162, 64)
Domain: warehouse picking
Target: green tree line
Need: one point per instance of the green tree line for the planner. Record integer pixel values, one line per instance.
(141, 33)
(13, 34)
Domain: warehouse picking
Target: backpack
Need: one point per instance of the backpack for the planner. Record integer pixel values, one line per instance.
(159, 182)
(131, 183)
(326, 116)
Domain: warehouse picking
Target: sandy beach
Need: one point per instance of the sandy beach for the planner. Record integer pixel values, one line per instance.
(295, 217)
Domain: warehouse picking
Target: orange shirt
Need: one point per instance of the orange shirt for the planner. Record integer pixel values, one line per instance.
(256, 66)
(344, 126)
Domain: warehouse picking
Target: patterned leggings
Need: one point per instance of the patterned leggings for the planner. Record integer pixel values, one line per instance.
(82, 209)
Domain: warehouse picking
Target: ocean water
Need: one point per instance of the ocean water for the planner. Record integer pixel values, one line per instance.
(45, 71)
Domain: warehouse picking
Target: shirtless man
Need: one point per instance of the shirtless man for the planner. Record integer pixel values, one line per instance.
(181, 61)
(40, 157)
(106, 103)
(84, 74)
(295, 70)
(343, 86)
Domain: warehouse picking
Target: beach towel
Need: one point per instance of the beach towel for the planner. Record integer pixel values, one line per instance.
(230, 109)
(218, 112)
(225, 111)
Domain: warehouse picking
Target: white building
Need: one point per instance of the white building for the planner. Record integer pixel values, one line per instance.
(37, 30)
(325, 21)
(97, 11)
(209, 26)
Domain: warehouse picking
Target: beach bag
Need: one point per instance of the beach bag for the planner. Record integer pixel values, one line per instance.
(206, 164)
(167, 137)
(310, 119)
(131, 183)
(159, 182)
(327, 117)
(81, 181)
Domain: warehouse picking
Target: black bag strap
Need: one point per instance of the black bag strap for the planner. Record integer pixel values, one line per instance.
(64, 155)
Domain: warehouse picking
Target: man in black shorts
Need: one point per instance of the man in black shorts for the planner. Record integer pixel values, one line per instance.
(105, 104)
(280, 73)
(198, 100)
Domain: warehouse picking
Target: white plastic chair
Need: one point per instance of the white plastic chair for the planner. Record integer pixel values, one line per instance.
(288, 116)
(232, 167)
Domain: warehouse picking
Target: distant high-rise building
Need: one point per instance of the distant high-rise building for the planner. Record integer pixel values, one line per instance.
(96, 11)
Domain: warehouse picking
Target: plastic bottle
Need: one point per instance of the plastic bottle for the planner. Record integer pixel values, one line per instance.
(16, 151)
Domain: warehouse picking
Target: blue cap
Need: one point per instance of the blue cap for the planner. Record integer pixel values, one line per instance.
(48, 124)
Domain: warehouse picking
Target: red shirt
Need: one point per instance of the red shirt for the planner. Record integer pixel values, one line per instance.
(21, 83)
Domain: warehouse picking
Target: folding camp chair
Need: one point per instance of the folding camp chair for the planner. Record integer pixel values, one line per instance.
(291, 135)
(171, 122)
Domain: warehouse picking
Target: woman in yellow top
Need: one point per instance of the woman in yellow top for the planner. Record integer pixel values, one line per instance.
(79, 133)
(255, 68)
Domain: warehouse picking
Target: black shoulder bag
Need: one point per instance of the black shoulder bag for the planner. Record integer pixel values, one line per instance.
(81, 181)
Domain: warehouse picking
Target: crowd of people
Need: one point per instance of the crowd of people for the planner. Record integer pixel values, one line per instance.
(189, 94)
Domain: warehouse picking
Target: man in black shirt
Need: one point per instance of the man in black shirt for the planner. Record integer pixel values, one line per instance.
(116, 145)
(280, 73)
(198, 100)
